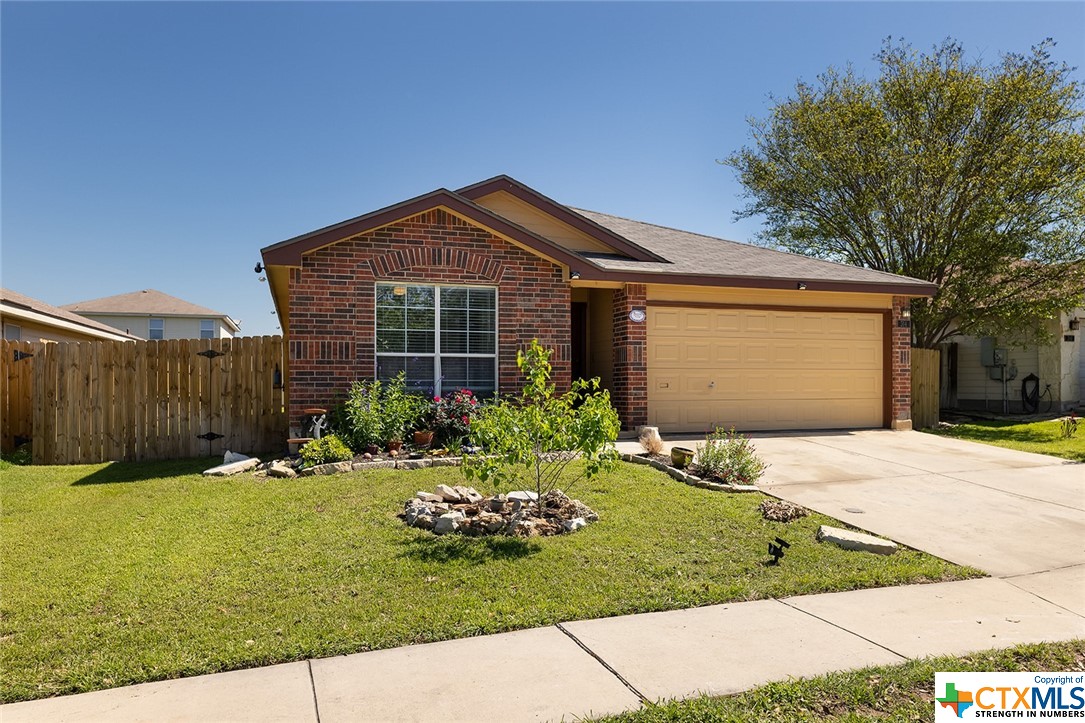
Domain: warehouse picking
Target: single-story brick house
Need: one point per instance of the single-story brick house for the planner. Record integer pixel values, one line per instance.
(685, 330)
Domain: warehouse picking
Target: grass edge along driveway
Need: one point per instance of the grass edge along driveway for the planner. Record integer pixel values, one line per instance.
(1036, 437)
(127, 573)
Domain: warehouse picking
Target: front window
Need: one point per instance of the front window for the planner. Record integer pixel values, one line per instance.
(443, 337)
(157, 329)
(207, 328)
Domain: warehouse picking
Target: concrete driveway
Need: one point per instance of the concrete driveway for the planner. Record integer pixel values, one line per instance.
(1005, 512)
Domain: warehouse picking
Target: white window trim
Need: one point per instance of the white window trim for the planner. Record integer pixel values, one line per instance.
(211, 323)
(149, 328)
(438, 389)
(8, 328)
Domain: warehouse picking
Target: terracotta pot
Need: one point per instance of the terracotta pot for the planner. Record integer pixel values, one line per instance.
(373, 449)
(681, 457)
(395, 445)
(423, 438)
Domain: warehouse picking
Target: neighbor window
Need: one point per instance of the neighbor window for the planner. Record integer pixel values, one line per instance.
(13, 332)
(158, 328)
(207, 328)
(443, 337)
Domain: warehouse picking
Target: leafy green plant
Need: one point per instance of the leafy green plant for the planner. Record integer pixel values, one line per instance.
(729, 457)
(399, 409)
(360, 419)
(324, 450)
(540, 432)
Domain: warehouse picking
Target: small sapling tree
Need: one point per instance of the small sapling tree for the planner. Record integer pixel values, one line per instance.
(540, 433)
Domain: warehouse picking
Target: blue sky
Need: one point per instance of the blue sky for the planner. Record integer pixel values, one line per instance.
(161, 145)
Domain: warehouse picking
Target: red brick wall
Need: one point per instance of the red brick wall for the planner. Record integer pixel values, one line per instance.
(900, 358)
(629, 392)
(332, 301)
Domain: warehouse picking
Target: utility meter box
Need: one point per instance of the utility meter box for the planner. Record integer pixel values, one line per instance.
(987, 351)
(1001, 358)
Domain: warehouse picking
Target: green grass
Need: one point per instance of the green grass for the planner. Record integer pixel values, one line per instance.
(893, 693)
(1039, 437)
(124, 573)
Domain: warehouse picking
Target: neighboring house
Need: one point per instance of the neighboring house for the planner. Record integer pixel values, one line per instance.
(27, 319)
(686, 331)
(150, 314)
(969, 385)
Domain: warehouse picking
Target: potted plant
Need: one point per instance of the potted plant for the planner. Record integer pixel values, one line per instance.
(423, 426)
(681, 457)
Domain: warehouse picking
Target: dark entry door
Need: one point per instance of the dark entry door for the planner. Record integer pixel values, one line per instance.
(579, 329)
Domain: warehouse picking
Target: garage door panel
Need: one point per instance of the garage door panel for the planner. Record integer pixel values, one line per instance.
(764, 369)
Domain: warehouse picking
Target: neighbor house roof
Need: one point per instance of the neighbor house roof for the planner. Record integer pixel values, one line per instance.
(147, 302)
(20, 306)
(642, 252)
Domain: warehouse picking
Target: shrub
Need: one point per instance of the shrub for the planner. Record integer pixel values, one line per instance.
(378, 412)
(540, 432)
(730, 458)
(399, 409)
(360, 418)
(452, 415)
(324, 450)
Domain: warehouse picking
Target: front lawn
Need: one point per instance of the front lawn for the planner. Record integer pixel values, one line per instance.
(123, 573)
(1039, 437)
(894, 693)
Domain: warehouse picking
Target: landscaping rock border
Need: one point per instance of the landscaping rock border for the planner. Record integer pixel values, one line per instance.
(692, 480)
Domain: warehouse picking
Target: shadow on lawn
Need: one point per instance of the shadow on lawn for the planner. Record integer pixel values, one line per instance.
(120, 472)
(475, 550)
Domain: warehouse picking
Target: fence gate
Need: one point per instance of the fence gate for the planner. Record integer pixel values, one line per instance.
(926, 390)
(97, 401)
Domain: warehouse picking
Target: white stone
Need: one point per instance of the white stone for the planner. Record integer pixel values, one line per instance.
(447, 523)
(328, 468)
(412, 464)
(428, 497)
(448, 494)
(231, 457)
(855, 540)
(279, 469)
(225, 470)
(523, 495)
(574, 524)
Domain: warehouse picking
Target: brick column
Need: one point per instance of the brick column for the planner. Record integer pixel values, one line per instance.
(629, 391)
(900, 361)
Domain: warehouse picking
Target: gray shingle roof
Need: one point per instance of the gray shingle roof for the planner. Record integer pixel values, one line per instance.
(700, 255)
(147, 301)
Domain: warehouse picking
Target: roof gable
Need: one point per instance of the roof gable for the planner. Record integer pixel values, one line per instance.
(144, 302)
(290, 252)
(562, 213)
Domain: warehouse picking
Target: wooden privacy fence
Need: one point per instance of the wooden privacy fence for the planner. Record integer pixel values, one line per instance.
(91, 402)
(925, 387)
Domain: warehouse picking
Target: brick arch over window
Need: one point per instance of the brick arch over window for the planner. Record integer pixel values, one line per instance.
(332, 302)
(423, 259)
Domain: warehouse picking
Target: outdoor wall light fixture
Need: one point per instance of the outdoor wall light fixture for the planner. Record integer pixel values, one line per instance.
(1075, 324)
(906, 313)
(574, 275)
(802, 286)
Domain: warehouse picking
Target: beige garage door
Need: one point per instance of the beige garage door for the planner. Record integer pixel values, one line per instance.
(763, 369)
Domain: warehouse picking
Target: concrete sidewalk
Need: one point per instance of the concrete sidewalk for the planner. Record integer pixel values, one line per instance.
(595, 667)
(1015, 514)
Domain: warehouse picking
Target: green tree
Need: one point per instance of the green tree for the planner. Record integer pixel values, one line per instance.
(539, 433)
(942, 169)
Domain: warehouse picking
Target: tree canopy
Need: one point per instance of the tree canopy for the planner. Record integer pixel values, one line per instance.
(943, 169)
